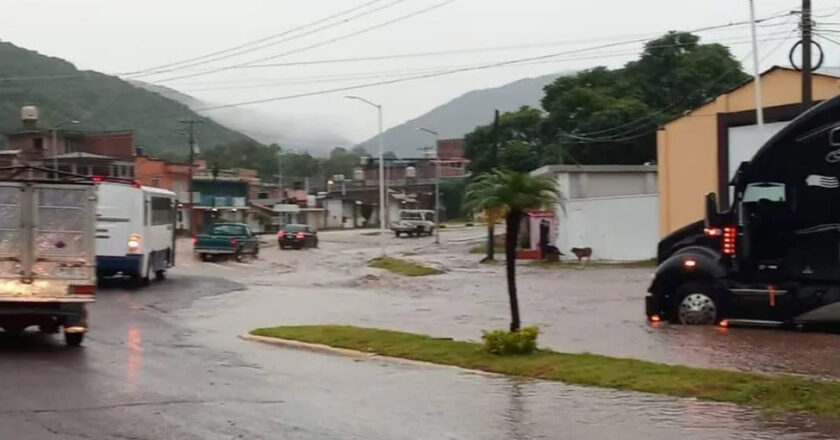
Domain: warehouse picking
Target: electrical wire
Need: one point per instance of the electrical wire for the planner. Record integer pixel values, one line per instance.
(423, 76)
(274, 43)
(261, 40)
(227, 85)
(635, 38)
(318, 44)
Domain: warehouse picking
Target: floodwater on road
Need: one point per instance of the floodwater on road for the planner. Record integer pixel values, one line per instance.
(596, 310)
(329, 396)
(165, 362)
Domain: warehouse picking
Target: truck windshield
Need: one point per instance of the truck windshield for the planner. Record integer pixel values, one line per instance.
(411, 216)
(770, 191)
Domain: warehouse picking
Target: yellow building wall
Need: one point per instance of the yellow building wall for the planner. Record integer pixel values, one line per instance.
(687, 156)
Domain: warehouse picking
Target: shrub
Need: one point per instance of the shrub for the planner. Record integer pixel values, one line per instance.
(505, 343)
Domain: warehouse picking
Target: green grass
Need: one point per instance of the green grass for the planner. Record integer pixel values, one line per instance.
(402, 267)
(785, 393)
(482, 249)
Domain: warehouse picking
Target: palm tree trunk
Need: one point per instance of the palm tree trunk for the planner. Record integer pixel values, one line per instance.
(511, 235)
(491, 242)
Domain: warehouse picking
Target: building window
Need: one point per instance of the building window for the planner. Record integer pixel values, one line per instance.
(156, 182)
(38, 144)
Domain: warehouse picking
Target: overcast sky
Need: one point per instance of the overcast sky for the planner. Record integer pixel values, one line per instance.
(120, 36)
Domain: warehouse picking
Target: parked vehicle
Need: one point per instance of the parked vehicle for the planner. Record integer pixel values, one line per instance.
(297, 236)
(414, 222)
(229, 239)
(47, 259)
(773, 257)
(135, 231)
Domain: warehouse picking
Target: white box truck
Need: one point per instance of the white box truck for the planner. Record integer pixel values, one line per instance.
(47, 259)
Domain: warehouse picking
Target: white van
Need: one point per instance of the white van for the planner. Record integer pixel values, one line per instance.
(135, 231)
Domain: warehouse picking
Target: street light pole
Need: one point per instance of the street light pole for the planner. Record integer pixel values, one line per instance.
(437, 182)
(381, 172)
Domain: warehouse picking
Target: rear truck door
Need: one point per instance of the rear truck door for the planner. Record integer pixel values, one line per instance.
(63, 243)
(12, 237)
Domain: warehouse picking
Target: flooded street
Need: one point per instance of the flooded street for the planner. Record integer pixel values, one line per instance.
(597, 310)
(166, 363)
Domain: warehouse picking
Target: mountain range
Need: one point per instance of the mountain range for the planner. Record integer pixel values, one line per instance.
(462, 114)
(101, 102)
(97, 101)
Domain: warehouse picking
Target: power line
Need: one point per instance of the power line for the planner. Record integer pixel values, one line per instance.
(448, 52)
(261, 40)
(637, 38)
(424, 76)
(319, 44)
(228, 85)
(274, 43)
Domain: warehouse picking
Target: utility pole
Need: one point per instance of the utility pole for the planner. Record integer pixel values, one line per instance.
(759, 106)
(282, 191)
(436, 150)
(807, 98)
(496, 140)
(191, 127)
(491, 221)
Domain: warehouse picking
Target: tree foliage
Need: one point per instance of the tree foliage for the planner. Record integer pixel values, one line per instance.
(608, 116)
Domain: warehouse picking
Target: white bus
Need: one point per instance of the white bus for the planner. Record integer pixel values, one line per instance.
(135, 231)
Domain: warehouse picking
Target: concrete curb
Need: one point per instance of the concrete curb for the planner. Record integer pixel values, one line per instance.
(307, 346)
(355, 354)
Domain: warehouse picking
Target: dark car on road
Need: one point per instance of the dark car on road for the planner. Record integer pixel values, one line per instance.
(297, 237)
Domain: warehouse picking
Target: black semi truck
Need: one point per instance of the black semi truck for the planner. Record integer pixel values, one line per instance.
(773, 257)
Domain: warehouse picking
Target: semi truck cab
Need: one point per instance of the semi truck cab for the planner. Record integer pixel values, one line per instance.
(773, 256)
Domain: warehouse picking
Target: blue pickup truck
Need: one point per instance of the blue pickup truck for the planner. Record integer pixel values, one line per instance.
(226, 239)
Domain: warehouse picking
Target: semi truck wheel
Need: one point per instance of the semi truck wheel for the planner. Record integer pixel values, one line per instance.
(73, 339)
(695, 303)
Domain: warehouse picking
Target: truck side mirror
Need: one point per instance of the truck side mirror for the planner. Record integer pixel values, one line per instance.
(712, 213)
(834, 137)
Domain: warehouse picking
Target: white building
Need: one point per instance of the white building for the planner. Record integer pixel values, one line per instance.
(612, 209)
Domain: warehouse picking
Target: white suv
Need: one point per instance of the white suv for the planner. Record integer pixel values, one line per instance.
(414, 222)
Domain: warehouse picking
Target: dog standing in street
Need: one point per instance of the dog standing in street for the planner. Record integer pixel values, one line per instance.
(582, 253)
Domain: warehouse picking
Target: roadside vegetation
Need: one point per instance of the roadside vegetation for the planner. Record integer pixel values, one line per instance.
(482, 249)
(402, 267)
(776, 393)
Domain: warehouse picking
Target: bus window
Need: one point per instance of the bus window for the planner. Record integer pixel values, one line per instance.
(161, 211)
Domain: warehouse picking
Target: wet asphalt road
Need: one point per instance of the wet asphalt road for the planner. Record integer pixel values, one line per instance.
(165, 363)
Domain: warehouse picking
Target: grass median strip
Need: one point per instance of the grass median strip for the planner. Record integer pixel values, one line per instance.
(782, 392)
(402, 267)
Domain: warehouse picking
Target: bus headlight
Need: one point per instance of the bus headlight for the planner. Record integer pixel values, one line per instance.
(134, 243)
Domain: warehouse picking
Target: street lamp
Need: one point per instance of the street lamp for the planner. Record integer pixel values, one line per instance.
(55, 141)
(381, 172)
(437, 183)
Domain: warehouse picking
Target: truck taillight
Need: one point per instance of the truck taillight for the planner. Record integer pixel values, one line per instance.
(82, 290)
(728, 242)
(134, 243)
(234, 242)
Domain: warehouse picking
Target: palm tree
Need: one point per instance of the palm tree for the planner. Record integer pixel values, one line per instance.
(513, 194)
